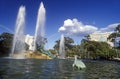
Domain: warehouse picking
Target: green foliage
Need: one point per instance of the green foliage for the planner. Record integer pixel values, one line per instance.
(95, 50)
(5, 43)
(56, 46)
(70, 49)
(88, 49)
(68, 44)
(118, 28)
(114, 35)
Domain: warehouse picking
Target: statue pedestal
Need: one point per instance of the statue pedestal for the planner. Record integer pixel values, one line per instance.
(36, 55)
(31, 54)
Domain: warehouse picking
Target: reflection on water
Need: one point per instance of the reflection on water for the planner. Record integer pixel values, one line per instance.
(57, 69)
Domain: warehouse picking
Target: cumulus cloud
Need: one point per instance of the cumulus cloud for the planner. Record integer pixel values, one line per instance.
(75, 27)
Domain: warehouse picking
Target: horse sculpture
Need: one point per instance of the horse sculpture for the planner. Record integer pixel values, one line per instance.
(78, 63)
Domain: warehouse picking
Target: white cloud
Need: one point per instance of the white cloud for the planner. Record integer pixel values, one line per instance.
(68, 22)
(75, 27)
(109, 28)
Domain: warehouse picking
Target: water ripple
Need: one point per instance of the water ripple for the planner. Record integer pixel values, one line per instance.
(57, 69)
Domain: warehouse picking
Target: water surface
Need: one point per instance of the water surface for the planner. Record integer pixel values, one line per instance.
(57, 69)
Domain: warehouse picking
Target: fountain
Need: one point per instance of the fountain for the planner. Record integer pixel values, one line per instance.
(40, 31)
(39, 38)
(36, 50)
(18, 46)
(62, 48)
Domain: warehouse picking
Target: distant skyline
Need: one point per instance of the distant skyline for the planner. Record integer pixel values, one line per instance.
(72, 17)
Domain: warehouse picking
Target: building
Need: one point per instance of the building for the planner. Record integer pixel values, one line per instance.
(102, 37)
(30, 41)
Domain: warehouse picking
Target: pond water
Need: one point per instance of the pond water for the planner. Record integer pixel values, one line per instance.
(57, 69)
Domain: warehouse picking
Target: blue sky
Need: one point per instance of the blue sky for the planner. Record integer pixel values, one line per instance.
(93, 15)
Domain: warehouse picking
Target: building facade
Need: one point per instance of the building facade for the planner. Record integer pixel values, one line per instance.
(102, 37)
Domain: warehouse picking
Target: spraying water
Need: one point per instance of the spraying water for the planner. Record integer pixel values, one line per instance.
(40, 31)
(62, 48)
(19, 37)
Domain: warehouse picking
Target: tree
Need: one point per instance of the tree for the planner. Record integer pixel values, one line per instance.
(56, 46)
(94, 49)
(118, 31)
(87, 37)
(112, 37)
(68, 44)
(5, 43)
(118, 28)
